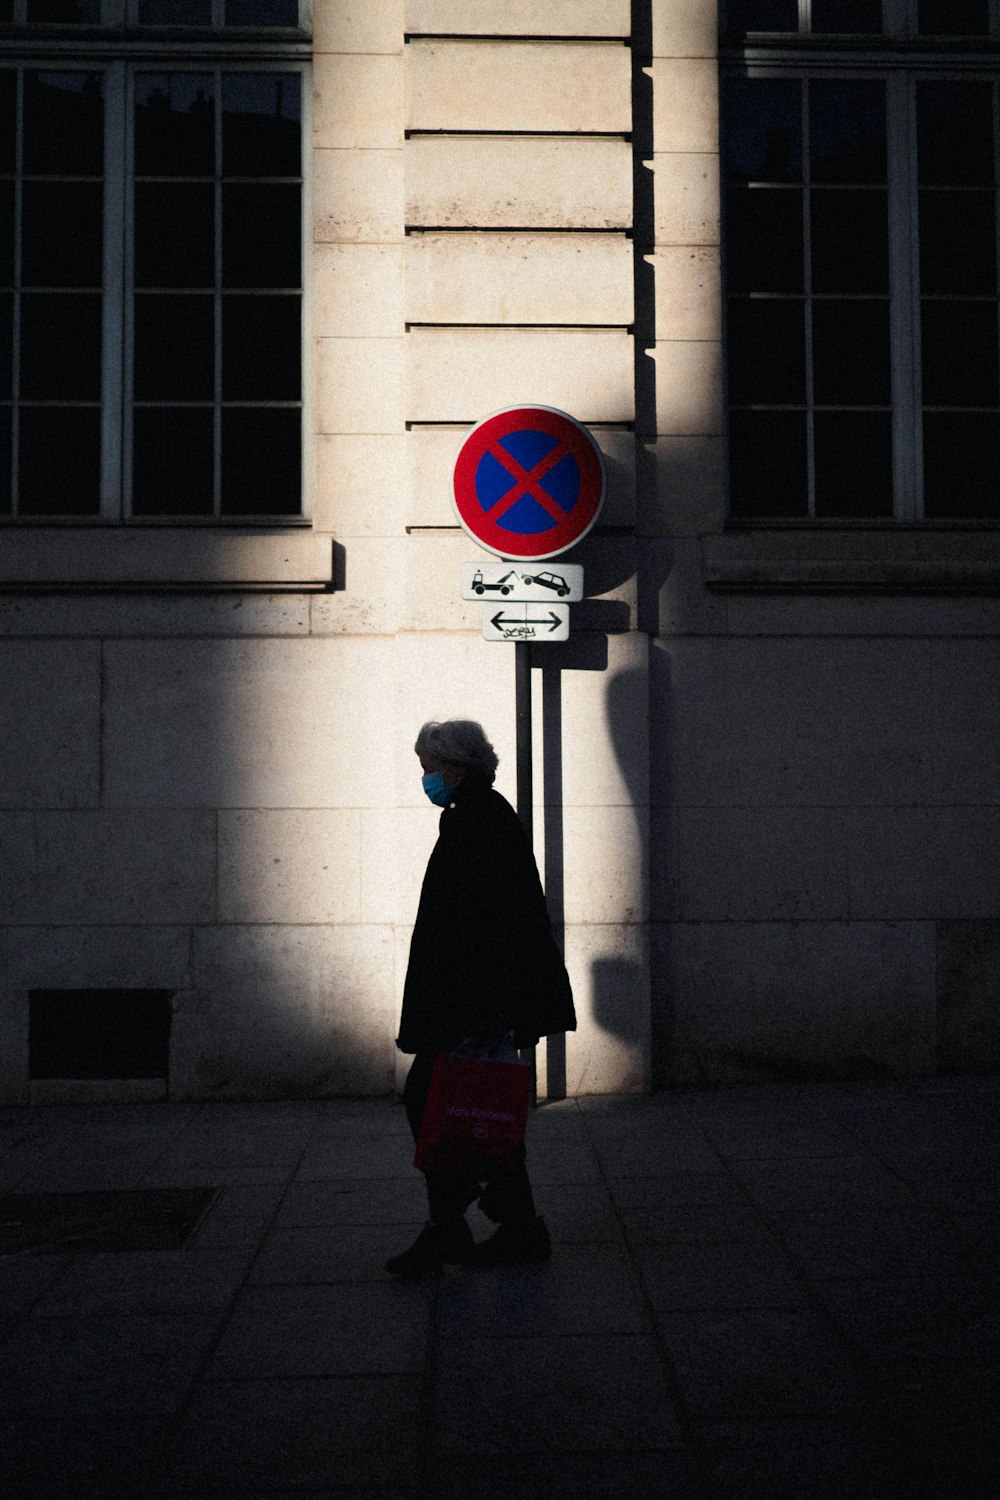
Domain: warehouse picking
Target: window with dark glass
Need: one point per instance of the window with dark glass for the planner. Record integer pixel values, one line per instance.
(860, 234)
(151, 282)
(250, 15)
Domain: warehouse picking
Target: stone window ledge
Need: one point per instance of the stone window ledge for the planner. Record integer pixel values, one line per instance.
(853, 562)
(163, 557)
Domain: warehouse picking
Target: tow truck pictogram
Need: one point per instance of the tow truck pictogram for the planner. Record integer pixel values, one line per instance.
(504, 584)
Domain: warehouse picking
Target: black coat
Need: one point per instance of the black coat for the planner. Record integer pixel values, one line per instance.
(482, 957)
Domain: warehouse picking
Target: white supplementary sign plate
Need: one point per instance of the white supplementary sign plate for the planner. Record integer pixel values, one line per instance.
(527, 582)
(519, 621)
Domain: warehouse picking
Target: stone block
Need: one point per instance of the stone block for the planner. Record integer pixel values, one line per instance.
(431, 454)
(50, 740)
(968, 996)
(604, 754)
(761, 864)
(130, 556)
(609, 971)
(685, 28)
(605, 877)
(359, 26)
(688, 292)
(674, 592)
(358, 195)
(359, 385)
(682, 491)
(688, 386)
(358, 102)
(98, 957)
(518, 182)
(686, 198)
(237, 723)
(467, 85)
(14, 1028)
(685, 104)
(785, 1001)
(285, 1012)
(618, 447)
(131, 614)
(466, 277)
(369, 599)
(457, 375)
(850, 614)
(362, 484)
(107, 867)
(430, 581)
(292, 866)
(402, 1060)
(395, 845)
(822, 723)
(934, 862)
(964, 690)
(357, 291)
(519, 17)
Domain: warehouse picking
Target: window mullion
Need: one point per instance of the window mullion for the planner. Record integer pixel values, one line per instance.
(808, 303)
(15, 373)
(904, 285)
(899, 17)
(112, 331)
(217, 298)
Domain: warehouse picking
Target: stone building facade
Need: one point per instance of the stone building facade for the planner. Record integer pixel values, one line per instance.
(766, 760)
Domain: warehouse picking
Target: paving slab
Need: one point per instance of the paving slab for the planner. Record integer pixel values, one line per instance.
(289, 1332)
(271, 1434)
(758, 1293)
(554, 1395)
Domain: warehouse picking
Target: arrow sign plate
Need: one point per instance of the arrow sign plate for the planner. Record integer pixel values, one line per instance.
(562, 583)
(503, 621)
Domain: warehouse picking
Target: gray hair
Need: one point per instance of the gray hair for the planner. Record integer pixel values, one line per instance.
(460, 744)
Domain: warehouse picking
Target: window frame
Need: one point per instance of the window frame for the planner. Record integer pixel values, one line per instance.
(900, 22)
(119, 59)
(124, 13)
(801, 57)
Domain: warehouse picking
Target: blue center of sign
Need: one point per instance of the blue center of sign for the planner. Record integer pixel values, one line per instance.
(527, 516)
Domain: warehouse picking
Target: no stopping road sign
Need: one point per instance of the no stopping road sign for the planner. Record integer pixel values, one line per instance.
(528, 482)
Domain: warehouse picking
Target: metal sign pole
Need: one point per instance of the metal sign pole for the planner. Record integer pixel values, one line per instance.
(525, 789)
(522, 700)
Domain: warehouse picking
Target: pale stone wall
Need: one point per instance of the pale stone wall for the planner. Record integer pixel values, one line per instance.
(824, 837)
(767, 821)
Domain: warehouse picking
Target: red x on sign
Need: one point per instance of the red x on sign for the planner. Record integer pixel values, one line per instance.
(528, 482)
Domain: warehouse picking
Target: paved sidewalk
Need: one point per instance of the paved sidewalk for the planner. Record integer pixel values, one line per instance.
(771, 1292)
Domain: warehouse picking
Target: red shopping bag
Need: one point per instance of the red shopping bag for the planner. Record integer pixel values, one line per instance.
(476, 1111)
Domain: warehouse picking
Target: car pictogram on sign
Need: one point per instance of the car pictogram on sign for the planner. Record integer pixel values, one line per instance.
(553, 581)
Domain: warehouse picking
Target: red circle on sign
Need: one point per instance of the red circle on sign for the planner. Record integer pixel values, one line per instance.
(542, 521)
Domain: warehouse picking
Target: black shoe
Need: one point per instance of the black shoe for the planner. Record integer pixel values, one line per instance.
(526, 1244)
(435, 1247)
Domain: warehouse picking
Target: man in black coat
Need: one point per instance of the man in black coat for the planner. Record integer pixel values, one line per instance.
(483, 964)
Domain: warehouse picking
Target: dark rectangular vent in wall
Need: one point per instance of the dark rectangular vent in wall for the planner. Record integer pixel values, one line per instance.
(98, 1033)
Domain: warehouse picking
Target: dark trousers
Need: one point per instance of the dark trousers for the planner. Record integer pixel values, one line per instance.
(505, 1197)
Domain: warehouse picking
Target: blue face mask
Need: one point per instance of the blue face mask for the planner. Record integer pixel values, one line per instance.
(434, 786)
